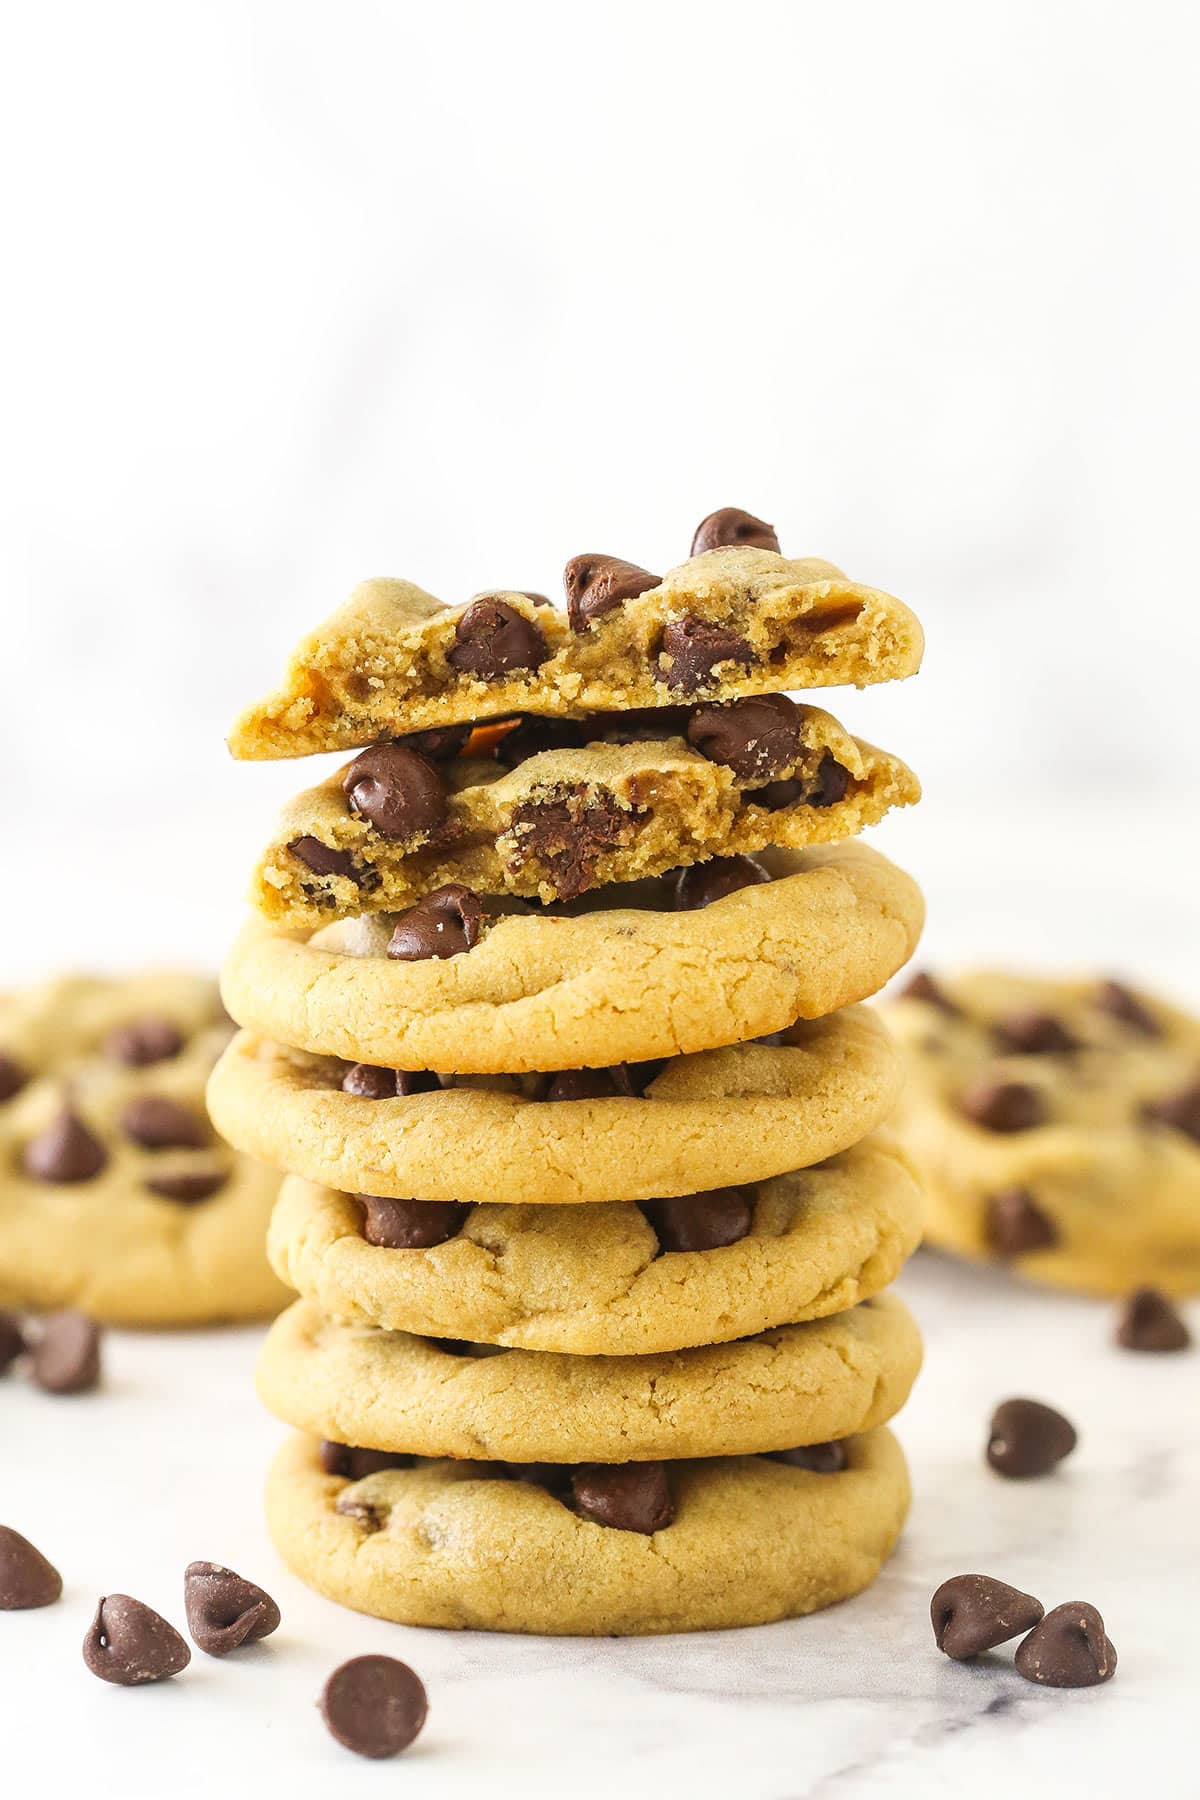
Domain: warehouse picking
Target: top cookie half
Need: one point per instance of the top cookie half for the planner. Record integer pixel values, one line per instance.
(732, 621)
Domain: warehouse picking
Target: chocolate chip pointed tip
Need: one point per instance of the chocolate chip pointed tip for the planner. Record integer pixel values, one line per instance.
(374, 1705)
(974, 1613)
(731, 526)
(1015, 1225)
(1150, 1321)
(224, 1610)
(130, 1644)
(1028, 1438)
(1069, 1648)
(27, 1579)
(65, 1151)
(66, 1355)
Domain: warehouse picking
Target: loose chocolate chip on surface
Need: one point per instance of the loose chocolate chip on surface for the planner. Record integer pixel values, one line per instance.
(188, 1187)
(1070, 1648)
(12, 1340)
(625, 1496)
(493, 638)
(1014, 1224)
(1150, 1321)
(923, 987)
(729, 525)
(702, 883)
(757, 738)
(818, 1459)
(693, 649)
(1033, 1033)
(157, 1123)
(532, 736)
(323, 859)
(974, 1613)
(26, 1578)
(409, 1224)
(140, 1042)
(590, 1084)
(65, 1151)
(225, 1611)
(129, 1643)
(374, 1705)
(1003, 1105)
(830, 784)
(1026, 1438)
(705, 1221)
(568, 835)
(597, 585)
(1181, 1111)
(442, 743)
(1120, 1002)
(445, 923)
(66, 1354)
(12, 1076)
(355, 1464)
(397, 790)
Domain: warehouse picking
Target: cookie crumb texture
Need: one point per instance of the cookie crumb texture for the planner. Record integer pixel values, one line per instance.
(461, 1545)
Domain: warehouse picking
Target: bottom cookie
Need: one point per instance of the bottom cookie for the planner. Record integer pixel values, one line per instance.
(462, 1545)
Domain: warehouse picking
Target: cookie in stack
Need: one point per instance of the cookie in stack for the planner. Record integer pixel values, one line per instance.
(550, 1011)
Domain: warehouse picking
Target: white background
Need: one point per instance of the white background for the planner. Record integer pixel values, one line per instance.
(293, 295)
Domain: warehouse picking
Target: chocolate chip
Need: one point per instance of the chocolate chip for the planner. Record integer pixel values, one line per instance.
(396, 790)
(597, 585)
(1026, 1438)
(1150, 1321)
(555, 1477)
(704, 1221)
(974, 1613)
(157, 1123)
(1120, 1002)
(1033, 1033)
(369, 1083)
(65, 1151)
(187, 1187)
(374, 1705)
(757, 738)
(66, 1354)
(1181, 1111)
(442, 743)
(12, 1340)
(637, 725)
(12, 1076)
(693, 649)
(731, 526)
(1003, 1105)
(223, 1610)
(626, 1496)
(140, 1042)
(322, 859)
(702, 883)
(819, 1459)
(777, 794)
(533, 736)
(129, 1643)
(590, 1084)
(568, 835)
(1014, 1224)
(492, 638)
(830, 784)
(1070, 1648)
(643, 1074)
(355, 1463)
(26, 1578)
(409, 1224)
(445, 923)
(923, 987)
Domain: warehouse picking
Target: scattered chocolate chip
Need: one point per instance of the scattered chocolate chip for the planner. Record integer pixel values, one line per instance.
(1033, 1033)
(1150, 1321)
(974, 1613)
(757, 738)
(322, 859)
(702, 883)
(355, 1463)
(1014, 1224)
(704, 1221)
(626, 1496)
(566, 836)
(409, 1224)
(590, 1084)
(66, 1354)
(597, 585)
(1070, 1648)
(1026, 1438)
(442, 743)
(693, 649)
(157, 1123)
(923, 987)
(140, 1042)
(13, 1076)
(225, 1611)
(730, 526)
(188, 1187)
(445, 923)
(533, 736)
(374, 1705)
(26, 1578)
(1181, 1111)
(12, 1340)
(1120, 1002)
(129, 1643)
(1003, 1105)
(65, 1151)
(493, 638)
(819, 1459)
(830, 784)
(398, 791)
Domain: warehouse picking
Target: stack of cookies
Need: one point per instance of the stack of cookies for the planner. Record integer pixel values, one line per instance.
(549, 1011)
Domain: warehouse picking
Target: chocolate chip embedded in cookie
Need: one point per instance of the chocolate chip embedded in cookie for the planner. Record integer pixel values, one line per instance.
(597, 585)
(65, 1151)
(694, 652)
(702, 883)
(447, 922)
(706, 1221)
(409, 1224)
(492, 639)
(1015, 1224)
(624, 1496)
(731, 526)
(12, 1077)
(397, 791)
(818, 1459)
